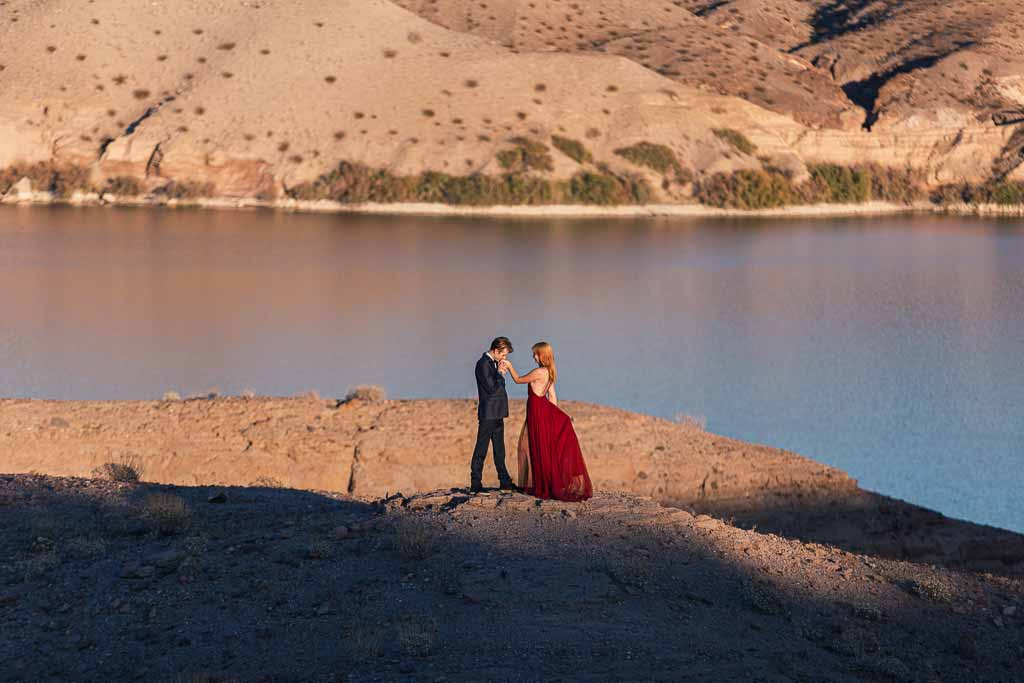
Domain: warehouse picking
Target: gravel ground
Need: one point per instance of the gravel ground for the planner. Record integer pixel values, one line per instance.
(101, 580)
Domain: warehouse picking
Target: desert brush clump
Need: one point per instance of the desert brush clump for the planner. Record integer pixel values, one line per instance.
(1002, 193)
(166, 513)
(416, 538)
(845, 184)
(126, 470)
(187, 189)
(656, 157)
(60, 179)
(526, 155)
(366, 393)
(736, 139)
(574, 149)
(122, 186)
(606, 189)
(747, 189)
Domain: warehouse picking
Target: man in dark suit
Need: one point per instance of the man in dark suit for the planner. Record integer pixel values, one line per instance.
(491, 411)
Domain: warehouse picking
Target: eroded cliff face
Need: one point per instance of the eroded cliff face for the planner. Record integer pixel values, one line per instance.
(259, 97)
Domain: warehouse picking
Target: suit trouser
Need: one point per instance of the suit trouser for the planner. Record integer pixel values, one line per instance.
(492, 431)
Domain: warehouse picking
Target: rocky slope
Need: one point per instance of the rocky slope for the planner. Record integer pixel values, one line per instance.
(108, 581)
(258, 97)
(372, 449)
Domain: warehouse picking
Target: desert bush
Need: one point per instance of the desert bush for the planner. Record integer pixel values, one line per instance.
(187, 189)
(526, 155)
(172, 396)
(697, 423)
(418, 635)
(900, 185)
(736, 139)
(1005, 193)
(366, 393)
(267, 482)
(86, 547)
(846, 185)
(606, 189)
(128, 469)
(656, 157)
(747, 190)
(368, 639)
(574, 149)
(62, 180)
(415, 538)
(123, 186)
(166, 513)
(354, 183)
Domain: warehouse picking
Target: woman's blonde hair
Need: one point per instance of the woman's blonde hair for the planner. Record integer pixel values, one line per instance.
(547, 359)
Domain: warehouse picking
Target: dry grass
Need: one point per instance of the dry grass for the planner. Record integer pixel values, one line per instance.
(418, 635)
(368, 639)
(366, 393)
(415, 538)
(736, 139)
(697, 423)
(123, 186)
(128, 469)
(166, 513)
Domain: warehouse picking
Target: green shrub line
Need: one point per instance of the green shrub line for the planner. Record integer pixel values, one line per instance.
(355, 183)
(735, 138)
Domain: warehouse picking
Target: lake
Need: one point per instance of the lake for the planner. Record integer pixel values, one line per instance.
(889, 347)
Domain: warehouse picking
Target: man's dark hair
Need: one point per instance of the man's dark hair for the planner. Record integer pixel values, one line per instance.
(501, 343)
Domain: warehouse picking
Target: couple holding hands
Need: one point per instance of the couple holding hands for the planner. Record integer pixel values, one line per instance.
(551, 464)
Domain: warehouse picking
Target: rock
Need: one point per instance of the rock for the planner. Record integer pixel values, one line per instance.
(1009, 611)
(967, 646)
(218, 497)
(59, 422)
(168, 560)
(136, 571)
(323, 609)
(341, 532)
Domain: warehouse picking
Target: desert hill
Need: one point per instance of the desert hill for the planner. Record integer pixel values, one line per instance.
(260, 98)
(371, 449)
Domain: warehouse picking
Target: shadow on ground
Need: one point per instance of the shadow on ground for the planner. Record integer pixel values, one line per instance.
(107, 581)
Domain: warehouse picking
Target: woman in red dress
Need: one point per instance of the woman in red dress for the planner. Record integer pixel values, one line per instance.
(551, 464)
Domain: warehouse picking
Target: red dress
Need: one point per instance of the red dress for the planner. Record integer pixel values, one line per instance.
(557, 469)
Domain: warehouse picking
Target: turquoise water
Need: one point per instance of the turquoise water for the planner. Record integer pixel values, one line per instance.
(889, 347)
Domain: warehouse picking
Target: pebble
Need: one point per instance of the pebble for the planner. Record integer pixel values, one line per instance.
(1009, 611)
(218, 497)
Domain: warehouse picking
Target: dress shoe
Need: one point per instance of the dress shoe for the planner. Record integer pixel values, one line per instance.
(509, 486)
(476, 488)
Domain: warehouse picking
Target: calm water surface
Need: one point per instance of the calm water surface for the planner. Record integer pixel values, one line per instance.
(888, 347)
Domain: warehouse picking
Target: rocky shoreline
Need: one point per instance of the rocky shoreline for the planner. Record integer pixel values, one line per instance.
(372, 449)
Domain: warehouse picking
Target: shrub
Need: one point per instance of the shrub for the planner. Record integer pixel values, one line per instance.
(747, 190)
(123, 186)
(187, 189)
(735, 138)
(128, 469)
(527, 155)
(366, 393)
(657, 157)
(62, 180)
(697, 423)
(1006, 193)
(606, 189)
(901, 185)
(574, 149)
(415, 539)
(166, 513)
(417, 635)
(846, 185)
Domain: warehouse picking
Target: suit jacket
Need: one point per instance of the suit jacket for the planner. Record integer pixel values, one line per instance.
(490, 385)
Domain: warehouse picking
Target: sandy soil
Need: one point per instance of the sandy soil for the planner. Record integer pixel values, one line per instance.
(105, 581)
(373, 449)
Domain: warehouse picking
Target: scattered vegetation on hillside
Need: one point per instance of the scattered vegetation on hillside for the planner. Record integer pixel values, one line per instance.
(574, 149)
(735, 138)
(656, 157)
(526, 155)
